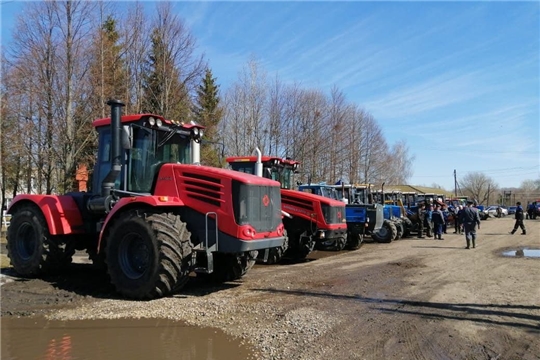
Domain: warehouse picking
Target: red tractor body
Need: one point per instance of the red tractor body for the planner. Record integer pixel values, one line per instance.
(157, 216)
(312, 220)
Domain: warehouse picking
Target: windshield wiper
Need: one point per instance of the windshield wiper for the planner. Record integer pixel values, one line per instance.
(167, 138)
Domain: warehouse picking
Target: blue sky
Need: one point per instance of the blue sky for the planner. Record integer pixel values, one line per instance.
(459, 81)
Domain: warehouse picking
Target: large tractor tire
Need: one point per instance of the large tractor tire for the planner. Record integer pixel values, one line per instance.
(31, 248)
(230, 267)
(336, 244)
(274, 254)
(386, 233)
(300, 246)
(148, 254)
(408, 226)
(354, 241)
(400, 229)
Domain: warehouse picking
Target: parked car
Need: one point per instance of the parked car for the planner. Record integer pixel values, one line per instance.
(512, 210)
(492, 210)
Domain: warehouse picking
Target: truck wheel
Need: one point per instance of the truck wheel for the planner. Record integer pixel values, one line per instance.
(148, 254)
(230, 267)
(386, 233)
(354, 241)
(31, 248)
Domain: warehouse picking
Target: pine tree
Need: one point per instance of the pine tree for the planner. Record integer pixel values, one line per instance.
(164, 93)
(208, 112)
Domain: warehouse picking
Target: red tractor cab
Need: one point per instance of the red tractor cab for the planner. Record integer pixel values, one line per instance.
(154, 215)
(310, 220)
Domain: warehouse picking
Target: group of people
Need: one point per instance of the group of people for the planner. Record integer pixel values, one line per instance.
(433, 218)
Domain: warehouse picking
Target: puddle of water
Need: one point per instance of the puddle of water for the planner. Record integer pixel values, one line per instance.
(534, 253)
(38, 338)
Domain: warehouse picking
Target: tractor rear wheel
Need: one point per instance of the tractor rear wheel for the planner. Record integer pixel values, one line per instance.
(148, 254)
(32, 250)
(230, 267)
(386, 233)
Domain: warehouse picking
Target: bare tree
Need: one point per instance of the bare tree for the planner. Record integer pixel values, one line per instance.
(245, 122)
(479, 186)
(134, 30)
(75, 26)
(400, 169)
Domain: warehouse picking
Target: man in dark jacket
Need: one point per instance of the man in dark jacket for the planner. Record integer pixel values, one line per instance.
(470, 219)
(519, 220)
(438, 221)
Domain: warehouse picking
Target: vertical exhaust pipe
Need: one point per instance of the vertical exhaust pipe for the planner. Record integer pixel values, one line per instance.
(258, 163)
(116, 153)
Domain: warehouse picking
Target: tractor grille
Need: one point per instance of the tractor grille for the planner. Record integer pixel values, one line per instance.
(203, 188)
(258, 206)
(333, 214)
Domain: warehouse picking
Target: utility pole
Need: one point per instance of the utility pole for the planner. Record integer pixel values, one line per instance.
(455, 183)
(489, 186)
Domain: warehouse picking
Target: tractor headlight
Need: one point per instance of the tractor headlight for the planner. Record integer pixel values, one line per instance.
(154, 122)
(196, 132)
(201, 133)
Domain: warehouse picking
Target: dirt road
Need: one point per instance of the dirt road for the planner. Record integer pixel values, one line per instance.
(410, 299)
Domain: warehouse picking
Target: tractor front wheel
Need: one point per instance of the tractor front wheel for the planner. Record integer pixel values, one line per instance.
(148, 254)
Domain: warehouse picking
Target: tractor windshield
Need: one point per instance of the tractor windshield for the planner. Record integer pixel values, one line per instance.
(286, 178)
(283, 174)
(152, 148)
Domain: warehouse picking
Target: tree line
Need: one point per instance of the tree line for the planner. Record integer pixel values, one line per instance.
(67, 58)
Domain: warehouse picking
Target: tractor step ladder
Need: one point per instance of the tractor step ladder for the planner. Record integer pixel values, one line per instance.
(208, 250)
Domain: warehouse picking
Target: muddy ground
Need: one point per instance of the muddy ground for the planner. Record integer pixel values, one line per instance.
(410, 299)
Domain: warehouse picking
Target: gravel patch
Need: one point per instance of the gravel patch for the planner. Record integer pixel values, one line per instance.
(276, 332)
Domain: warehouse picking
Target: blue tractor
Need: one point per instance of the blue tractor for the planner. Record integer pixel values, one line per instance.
(363, 215)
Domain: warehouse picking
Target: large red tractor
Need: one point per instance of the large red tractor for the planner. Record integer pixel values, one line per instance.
(311, 220)
(157, 215)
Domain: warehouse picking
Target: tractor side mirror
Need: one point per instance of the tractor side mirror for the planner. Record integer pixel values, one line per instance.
(127, 137)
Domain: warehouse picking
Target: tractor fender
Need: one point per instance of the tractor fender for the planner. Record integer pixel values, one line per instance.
(128, 203)
(61, 213)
